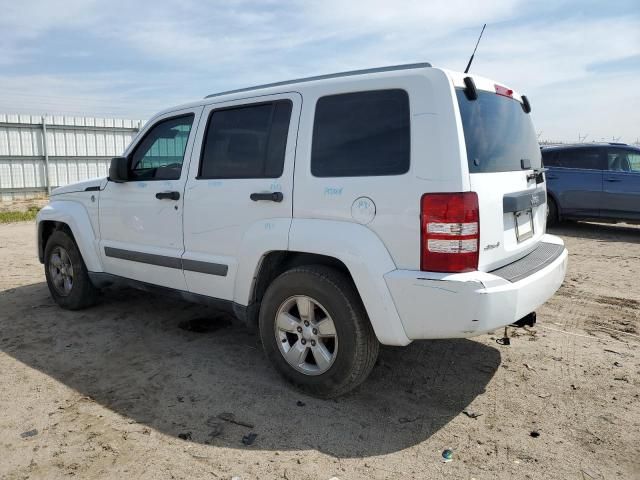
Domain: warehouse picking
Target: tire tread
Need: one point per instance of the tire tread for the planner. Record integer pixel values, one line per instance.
(86, 294)
(366, 344)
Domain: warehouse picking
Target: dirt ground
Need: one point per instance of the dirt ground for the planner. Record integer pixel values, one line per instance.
(122, 391)
(22, 205)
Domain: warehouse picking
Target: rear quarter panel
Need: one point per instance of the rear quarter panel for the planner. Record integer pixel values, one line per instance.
(436, 164)
(367, 260)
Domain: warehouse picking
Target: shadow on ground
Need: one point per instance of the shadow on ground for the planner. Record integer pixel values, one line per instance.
(605, 232)
(131, 355)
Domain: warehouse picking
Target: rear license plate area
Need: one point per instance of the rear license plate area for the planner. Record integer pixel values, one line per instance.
(524, 224)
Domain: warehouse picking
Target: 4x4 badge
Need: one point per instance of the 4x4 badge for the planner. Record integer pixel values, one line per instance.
(535, 200)
(491, 246)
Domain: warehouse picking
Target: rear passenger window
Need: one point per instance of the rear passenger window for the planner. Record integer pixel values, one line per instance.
(246, 142)
(585, 158)
(361, 134)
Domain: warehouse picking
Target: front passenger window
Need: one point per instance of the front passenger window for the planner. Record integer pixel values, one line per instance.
(623, 161)
(160, 154)
(634, 161)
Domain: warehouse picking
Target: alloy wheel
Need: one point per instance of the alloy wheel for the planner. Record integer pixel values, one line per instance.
(61, 271)
(306, 335)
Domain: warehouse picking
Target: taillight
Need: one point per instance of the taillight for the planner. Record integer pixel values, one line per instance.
(450, 230)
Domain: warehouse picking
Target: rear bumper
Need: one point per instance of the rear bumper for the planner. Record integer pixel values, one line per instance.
(440, 305)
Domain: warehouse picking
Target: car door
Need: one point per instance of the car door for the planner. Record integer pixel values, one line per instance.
(621, 184)
(576, 181)
(141, 219)
(238, 199)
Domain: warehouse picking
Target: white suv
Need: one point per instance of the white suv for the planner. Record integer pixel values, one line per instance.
(334, 213)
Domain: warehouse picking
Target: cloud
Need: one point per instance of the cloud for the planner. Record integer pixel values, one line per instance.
(604, 108)
(101, 95)
(620, 64)
(29, 19)
(568, 56)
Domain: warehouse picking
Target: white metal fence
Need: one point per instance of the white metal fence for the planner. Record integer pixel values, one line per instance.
(76, 148)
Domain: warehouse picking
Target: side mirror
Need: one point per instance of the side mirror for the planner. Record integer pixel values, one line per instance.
(119, 169)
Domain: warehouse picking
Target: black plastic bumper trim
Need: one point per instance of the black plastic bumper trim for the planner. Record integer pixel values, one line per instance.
(543, 255)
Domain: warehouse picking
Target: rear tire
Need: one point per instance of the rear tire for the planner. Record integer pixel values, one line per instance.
(315, 331)
(66, 273)
(552, 212)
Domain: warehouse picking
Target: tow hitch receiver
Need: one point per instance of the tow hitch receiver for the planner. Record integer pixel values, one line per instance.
(526, 321)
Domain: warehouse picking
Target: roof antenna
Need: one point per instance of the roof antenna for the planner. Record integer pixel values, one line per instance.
(466, 70)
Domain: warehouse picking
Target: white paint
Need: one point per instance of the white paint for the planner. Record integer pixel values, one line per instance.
(132, 218)
(363, 210)
(368, 261)
(378, 243)
(223, 225)
(466, 305)
(81, 216)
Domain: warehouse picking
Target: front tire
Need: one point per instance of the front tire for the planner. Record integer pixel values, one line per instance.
(315, 331)
(66, 273)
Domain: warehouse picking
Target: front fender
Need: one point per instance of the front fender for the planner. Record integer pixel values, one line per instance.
(368, 261)
(76, 217)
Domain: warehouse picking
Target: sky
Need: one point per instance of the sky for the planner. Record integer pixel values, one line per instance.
(577, 61)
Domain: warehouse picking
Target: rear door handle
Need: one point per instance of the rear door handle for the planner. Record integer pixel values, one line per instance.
(271, 196)
(612, 179)
(168, 195)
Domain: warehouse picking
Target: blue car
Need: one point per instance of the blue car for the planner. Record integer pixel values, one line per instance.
(593, 181)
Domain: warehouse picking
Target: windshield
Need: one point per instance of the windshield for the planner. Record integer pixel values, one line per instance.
(498, 133)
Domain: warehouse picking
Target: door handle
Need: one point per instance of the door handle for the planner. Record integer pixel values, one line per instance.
(271, 196)
(168, 195)
(551, 177)
(611, 179)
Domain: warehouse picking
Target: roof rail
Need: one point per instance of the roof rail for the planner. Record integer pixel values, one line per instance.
(408, 66)
(617, 143)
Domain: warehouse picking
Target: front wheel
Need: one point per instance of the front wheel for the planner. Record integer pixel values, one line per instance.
(66, 273)
(315, 331)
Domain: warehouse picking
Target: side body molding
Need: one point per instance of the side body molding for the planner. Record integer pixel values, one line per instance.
(367, 260)
(75, 215)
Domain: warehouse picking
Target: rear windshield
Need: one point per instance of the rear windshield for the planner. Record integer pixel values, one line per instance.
(498, 133)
